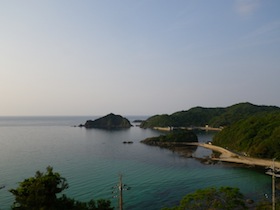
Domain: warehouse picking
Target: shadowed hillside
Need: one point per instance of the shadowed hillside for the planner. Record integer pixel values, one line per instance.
(214, 117)
(257, 136)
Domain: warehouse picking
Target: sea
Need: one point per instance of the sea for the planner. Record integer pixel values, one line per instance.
(92, 161)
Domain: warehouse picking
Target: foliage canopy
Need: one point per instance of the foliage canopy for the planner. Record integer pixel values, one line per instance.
(224, 198)
(40, 193)
(257, 136)
(174, 136)
(199, 116)
(110, 121)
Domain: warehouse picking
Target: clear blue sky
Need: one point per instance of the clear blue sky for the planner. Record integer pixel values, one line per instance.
(137, 57)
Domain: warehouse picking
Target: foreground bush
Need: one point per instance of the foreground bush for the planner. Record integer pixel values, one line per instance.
(224, 198)
(40, 193)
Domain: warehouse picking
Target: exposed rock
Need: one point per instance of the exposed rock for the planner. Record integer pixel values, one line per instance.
(127, 142)
(110, 121)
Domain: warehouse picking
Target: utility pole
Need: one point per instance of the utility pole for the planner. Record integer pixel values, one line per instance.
(273, 184)
(120, 193)
(272, 172)
(120, 187)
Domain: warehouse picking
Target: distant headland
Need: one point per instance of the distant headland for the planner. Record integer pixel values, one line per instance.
(218, 117)
(110, 121)
(246, 129)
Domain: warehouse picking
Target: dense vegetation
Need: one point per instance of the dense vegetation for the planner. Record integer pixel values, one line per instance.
(40, 193)
(248, 128)
(110, 121)
(214, 117)
(258, 136)
(212, 198)
(223, 198)
(172, 137)
(173, 141)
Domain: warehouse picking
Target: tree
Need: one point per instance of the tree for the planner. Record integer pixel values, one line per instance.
(267, 205)
(224, 198)
(40, 193)
(258, 136)
(65, 203)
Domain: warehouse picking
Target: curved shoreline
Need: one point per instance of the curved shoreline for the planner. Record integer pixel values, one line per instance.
(228, 156)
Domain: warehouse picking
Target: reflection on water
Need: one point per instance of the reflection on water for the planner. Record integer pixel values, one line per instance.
(91, 161)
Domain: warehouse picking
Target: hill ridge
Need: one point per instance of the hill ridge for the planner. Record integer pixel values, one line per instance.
(201, 116)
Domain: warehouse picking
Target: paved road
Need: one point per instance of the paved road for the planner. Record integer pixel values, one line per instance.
(228, 156)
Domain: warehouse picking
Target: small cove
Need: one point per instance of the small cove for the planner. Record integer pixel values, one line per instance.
(91, 161)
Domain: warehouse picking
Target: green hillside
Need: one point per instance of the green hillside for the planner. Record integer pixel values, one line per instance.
(238, 112)
(110, 121)
(174, 136)
(197, 116)
(257, 136)
(214, 117)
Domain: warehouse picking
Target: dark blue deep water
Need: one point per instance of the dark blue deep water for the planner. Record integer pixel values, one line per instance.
(92, 159)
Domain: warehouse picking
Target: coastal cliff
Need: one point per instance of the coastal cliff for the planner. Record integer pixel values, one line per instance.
(110, 121)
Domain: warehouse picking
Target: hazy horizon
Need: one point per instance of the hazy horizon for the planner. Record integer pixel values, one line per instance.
(92, 58)
(126, 115)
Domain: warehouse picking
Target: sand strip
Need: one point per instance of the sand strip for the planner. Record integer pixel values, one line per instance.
(228, 156)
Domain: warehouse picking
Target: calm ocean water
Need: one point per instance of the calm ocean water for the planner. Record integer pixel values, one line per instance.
(92, 159)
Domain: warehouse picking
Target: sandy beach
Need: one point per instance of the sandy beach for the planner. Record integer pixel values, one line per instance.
(228, 156)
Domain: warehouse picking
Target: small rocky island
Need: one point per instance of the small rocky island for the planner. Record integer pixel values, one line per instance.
(175, 141)
(110, 121)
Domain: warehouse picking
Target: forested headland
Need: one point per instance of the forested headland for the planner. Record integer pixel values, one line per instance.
(201, 116)
(173, 141)
(257, 136)
(247, 128)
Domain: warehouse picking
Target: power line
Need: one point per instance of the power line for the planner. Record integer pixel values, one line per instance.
(272, 171)
(120, 191)
(120, 188)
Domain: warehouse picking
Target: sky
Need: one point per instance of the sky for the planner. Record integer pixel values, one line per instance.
(137, 57)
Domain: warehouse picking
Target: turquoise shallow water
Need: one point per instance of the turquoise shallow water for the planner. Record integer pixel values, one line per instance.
(91, 161)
